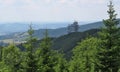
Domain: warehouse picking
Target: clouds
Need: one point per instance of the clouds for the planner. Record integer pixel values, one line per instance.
(54, 10)
(80, 1)
(28, 2)
(38, 3)
(92, 1)
(10, 2)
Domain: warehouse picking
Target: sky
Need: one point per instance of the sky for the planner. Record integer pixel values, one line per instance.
(55, 10)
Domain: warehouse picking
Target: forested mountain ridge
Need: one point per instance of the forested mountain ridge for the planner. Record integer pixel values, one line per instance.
(67, 42)
(52, 32)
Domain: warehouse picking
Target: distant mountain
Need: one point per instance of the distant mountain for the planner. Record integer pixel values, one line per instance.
(7, 28)
(62, 31)
(52, 32)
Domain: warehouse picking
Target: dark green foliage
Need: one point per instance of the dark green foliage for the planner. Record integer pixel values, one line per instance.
(12, 58)
(67, 42)
(44, 55)
(30, 52)
(4, 67)
(84, 56)
(49, 60)
(109, 54)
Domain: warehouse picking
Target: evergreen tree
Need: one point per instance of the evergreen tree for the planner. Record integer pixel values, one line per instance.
(48, 59)
(61, 64)
(109, 53)
(30, 59)
(11, 58)
(44, 55)
(84, 56)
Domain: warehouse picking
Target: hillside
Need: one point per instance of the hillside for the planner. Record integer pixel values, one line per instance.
(62, 31)
(52, 32)
(20, 36)
(7, 28)
(67, 42)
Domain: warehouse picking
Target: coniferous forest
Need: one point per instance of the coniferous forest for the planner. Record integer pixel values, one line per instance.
(99, 53)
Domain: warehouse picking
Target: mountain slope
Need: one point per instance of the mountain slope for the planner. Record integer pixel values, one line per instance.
(67, 42)
(52, 32)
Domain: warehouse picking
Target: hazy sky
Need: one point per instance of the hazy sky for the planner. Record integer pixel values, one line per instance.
(54, 10)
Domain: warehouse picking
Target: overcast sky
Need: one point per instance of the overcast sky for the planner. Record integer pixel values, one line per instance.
(54, 10)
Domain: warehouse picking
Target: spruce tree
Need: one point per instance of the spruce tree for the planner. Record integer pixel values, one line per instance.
(48, 59)
(84, 56)
(109, 53)
(30, 58)
(60, 63)
(11, 58)
(44, 55)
